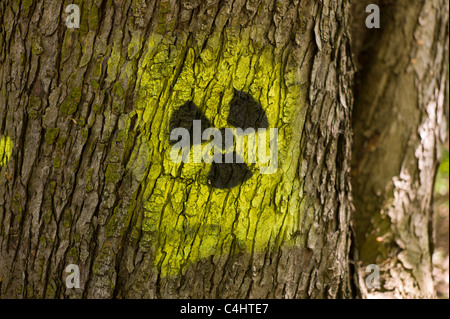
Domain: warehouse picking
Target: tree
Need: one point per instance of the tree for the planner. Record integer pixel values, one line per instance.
(89, 181)
(398, 121)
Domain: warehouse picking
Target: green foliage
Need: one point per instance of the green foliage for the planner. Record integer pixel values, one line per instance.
(442, 179)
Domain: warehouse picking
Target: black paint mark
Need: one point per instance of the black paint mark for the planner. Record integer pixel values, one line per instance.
(244, 113)
(184, 117)
(229, 175)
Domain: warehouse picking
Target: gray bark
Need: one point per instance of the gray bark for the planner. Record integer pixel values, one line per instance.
(398, 124)
(82, 194)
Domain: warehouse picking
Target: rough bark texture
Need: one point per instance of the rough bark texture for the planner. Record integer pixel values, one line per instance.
(88, 181)
(398, 122)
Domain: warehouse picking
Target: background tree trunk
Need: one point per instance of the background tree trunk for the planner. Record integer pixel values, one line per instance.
(398, 124)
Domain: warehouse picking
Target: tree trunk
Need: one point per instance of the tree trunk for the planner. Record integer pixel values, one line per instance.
(86, 175)
(90, 181)
(398, 122)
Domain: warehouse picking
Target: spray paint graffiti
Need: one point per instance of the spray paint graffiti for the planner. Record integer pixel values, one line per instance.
(6, 147)
(228, 167)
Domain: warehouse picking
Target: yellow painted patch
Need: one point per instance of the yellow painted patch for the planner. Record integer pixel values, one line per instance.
(185, 220)
(6, 147)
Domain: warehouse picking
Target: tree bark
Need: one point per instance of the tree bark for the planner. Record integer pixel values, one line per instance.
(89, 181)
(398, 122)
(86, 176)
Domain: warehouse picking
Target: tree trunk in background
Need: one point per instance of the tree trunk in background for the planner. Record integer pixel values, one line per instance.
(398, 122)
(89, 181)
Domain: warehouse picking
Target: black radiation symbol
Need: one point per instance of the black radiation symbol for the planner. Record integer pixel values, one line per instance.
(244, 113)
